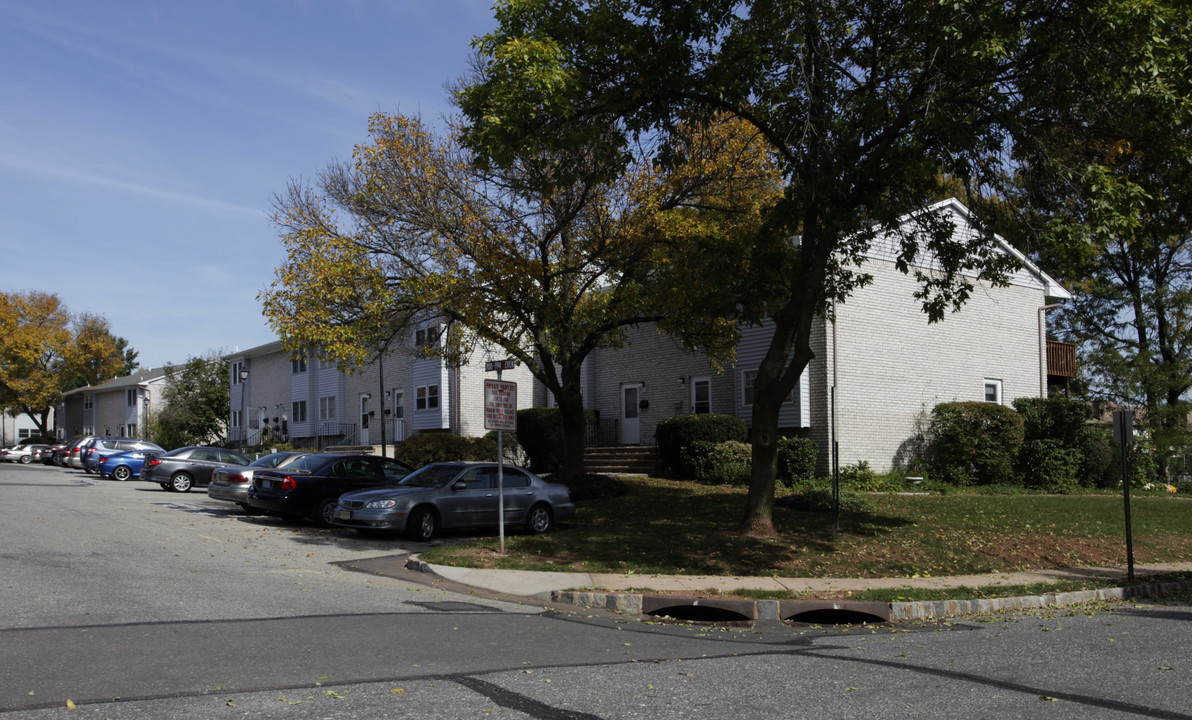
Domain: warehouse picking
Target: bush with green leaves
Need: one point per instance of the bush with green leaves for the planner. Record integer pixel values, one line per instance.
(796, 459)
(678, 432)
(540, 435)
(1051, 466)
(974, 443)
(444, 447)
(724, 463)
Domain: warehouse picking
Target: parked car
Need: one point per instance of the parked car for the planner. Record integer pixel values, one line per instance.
(180, 470)
(232, 483)
(106, 447)
(73, 457)
(456, 495)
(311, 485)
(22, 454)
(122, 466)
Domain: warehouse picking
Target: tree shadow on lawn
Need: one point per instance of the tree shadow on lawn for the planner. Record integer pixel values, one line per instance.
(686, 528)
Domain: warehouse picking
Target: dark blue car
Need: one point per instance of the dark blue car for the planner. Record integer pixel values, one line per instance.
(121, 466)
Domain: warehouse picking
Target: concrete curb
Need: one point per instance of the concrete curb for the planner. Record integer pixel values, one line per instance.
(633, 603)
(645, 603)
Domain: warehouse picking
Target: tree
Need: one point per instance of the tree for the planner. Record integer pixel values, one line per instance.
(546, 259)
(867, 104)
(1108, 188)
(44, 352)
(195, 403)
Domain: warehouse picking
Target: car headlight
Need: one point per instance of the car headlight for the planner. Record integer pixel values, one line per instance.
(380, 504)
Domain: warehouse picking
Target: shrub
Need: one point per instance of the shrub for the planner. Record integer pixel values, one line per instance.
(725, 463)
(796, 459)
(974, 443)
(675, 433)
(861, 478)
(441, 447)
(1050, 465)
(1057, 418)
(817, 497)
(540, 435)
(593, 486)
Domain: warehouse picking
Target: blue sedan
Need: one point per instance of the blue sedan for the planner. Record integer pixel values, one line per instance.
(122, 466)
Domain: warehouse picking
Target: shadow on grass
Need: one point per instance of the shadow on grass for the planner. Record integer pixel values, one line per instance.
(663, 526)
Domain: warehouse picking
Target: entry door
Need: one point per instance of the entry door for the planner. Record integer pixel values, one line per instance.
(630, 427)
(364, 419)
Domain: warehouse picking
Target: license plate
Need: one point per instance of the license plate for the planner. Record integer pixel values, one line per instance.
(345, 514)
(267, 484)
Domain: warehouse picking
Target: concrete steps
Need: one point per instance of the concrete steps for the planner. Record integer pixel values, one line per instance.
(623, 460)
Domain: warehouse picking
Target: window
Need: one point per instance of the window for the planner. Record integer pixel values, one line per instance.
(235, 418)
(701, 395)
(327, 408)
(749, 382)
(236, 368)
(88, 402)
(24, 433)
(298, 365)
(426, 337)
(748, 378)
(131, 397)
(298, 412)
(993, 391)
(426, 397)
(132, 429)
(399, 404)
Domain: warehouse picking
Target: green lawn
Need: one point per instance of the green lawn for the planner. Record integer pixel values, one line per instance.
(672, 527)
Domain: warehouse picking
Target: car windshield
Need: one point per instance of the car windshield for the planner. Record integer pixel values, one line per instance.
(431, 476)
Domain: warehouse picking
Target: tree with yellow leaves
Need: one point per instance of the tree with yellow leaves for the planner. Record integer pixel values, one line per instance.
(548, 258)
(45, 352)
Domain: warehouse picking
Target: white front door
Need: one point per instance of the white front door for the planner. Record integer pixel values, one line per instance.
(630, 427)
(364, 419)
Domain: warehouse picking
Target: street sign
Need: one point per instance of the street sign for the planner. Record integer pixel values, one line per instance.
(500, 405)
(498, 365)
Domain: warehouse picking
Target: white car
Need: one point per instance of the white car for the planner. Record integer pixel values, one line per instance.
(20, 453)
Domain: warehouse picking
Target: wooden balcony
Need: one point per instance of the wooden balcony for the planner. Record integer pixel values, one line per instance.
(1061, 359)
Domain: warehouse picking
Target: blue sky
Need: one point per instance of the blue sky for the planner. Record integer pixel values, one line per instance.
(142, 142)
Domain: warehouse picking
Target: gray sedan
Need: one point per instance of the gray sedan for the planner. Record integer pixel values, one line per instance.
(232, 483)
(455, 495)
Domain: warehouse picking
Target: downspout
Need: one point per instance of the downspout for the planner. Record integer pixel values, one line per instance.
(1043, 350)
(835, 443)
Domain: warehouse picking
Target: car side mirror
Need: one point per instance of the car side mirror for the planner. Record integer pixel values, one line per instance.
(459, 485)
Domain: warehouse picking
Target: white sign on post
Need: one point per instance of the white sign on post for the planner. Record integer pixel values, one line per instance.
(500, 405)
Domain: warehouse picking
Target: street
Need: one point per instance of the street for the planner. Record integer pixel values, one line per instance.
(126, 601)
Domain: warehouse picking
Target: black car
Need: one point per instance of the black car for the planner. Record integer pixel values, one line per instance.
(180, 470)
(311, 486)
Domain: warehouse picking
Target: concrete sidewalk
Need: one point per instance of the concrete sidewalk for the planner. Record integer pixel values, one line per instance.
(528, 583)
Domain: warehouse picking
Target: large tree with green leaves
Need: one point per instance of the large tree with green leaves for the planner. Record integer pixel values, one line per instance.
(195, 404)
(1108, 188)
(545, 259)
(44, 351)
(869, 105)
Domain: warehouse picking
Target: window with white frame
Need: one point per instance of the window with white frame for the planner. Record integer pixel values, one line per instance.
(701, 395)
(327, 410)
(298, 365)
(427, 337)
(399, 404)
(298, 411)
(88, 402)
(132, 429)
(748, 385)
(235, 418)
(426, 397)
(236, 368)
(993, 390)
(130, 397)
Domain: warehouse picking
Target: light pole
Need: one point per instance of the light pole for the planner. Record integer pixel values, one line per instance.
(243, 380)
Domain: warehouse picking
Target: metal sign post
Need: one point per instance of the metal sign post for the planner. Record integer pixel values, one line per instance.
(500, 414)
(1123, 432)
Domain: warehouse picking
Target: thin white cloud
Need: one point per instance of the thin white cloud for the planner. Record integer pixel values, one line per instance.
(61, 172)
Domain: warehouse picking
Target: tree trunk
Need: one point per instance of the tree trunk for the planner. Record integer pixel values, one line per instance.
(759, 505)
(571, 412)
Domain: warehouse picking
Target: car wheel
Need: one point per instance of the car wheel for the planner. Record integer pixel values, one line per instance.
(325, 511)
(121, 472)
(26, 459)
(539, 519)
(422, 525)
(181, 482)
(249, 509)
